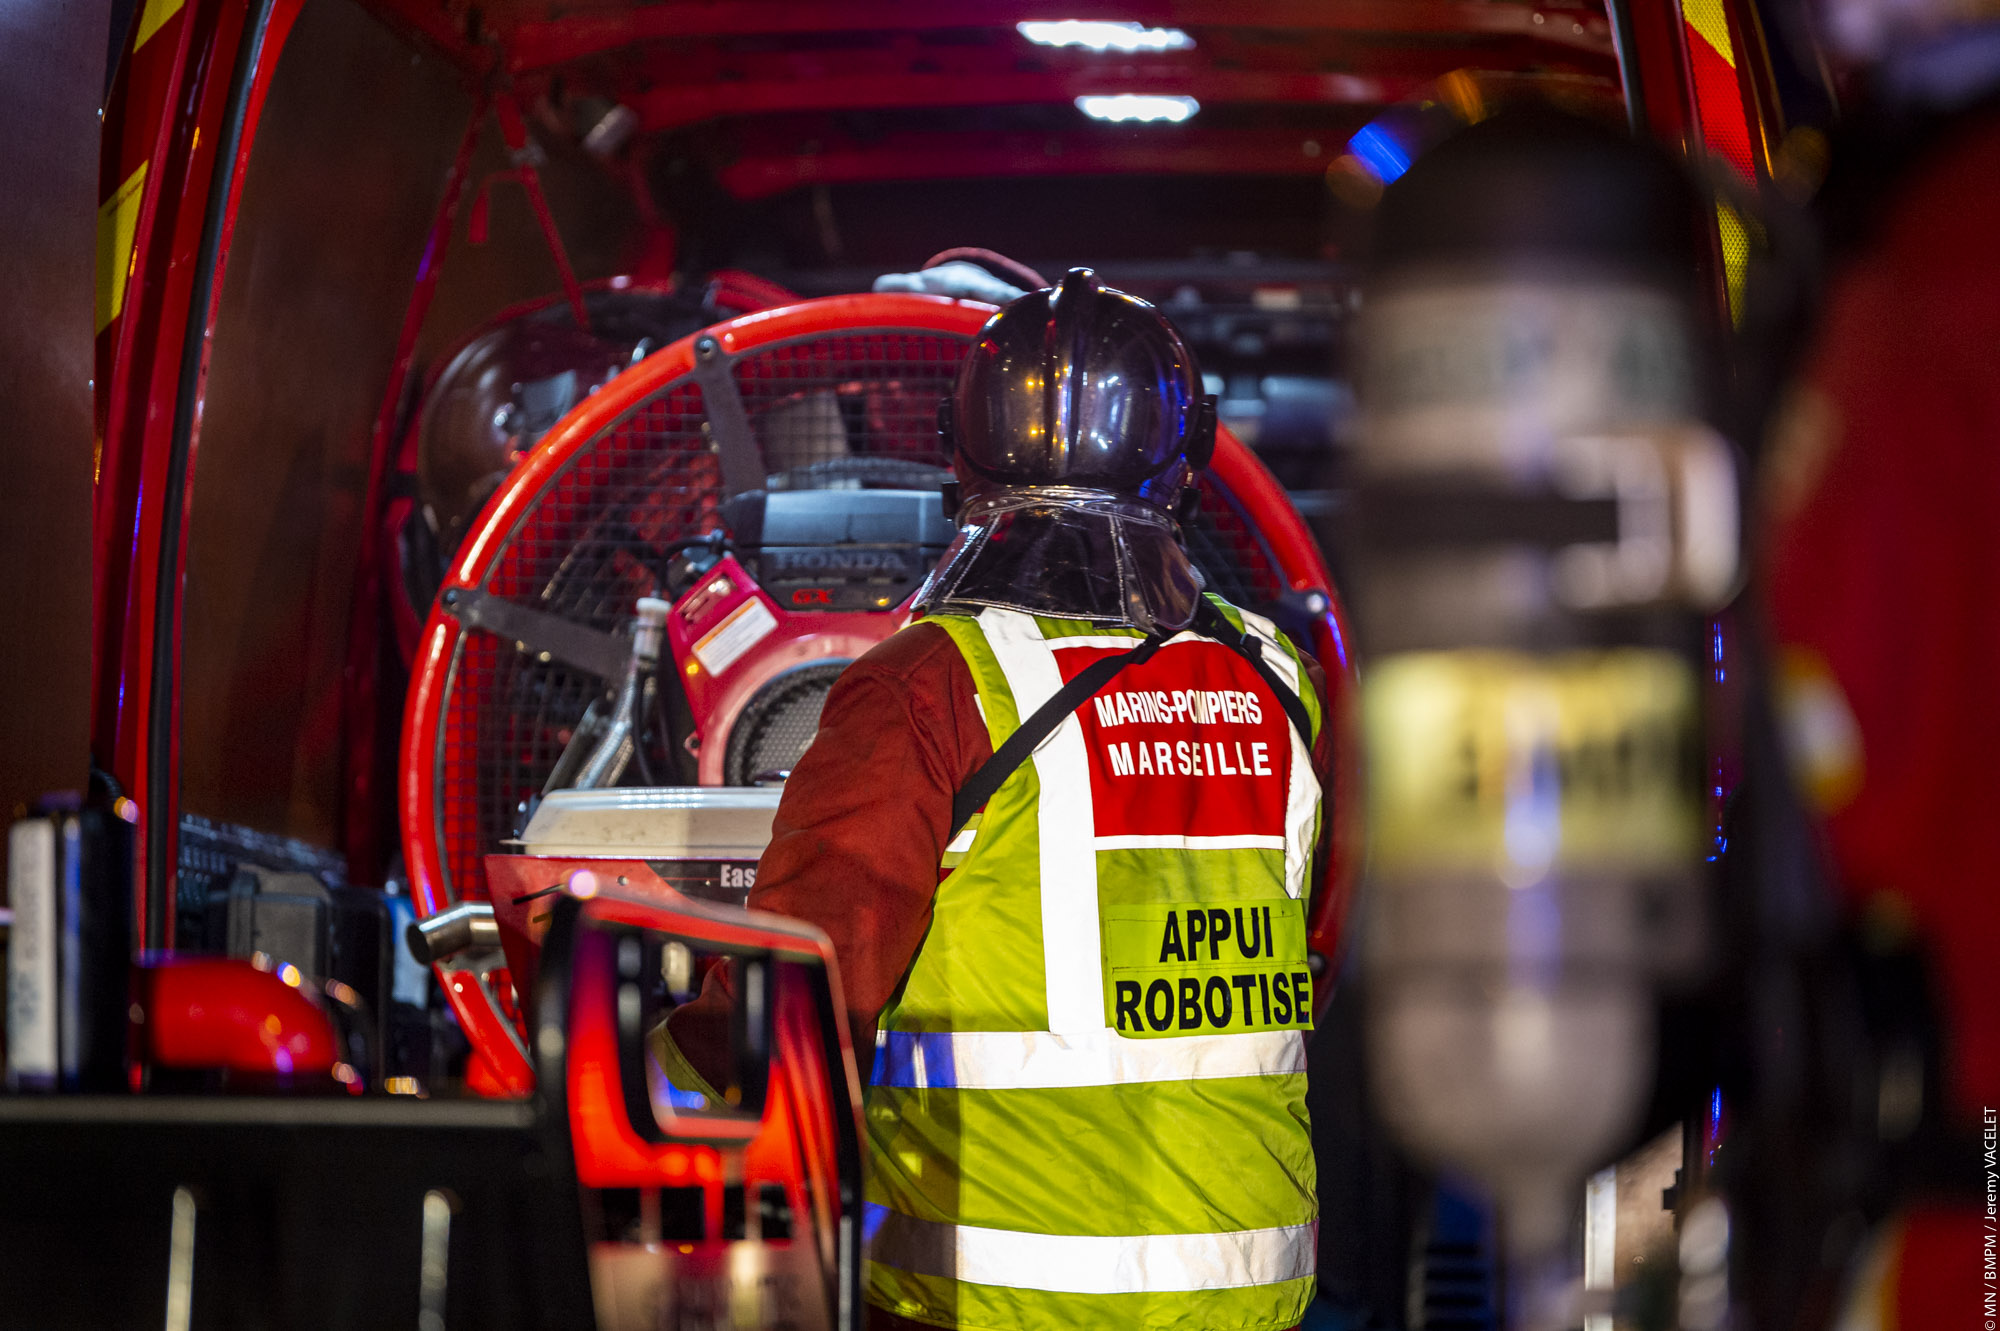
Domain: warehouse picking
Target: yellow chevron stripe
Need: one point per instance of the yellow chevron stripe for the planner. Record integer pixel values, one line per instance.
(117, 224)
(153, 18)
(1707, 18)
(1735, 237)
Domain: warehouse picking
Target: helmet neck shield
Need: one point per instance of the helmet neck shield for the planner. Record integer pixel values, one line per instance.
(1069, 553)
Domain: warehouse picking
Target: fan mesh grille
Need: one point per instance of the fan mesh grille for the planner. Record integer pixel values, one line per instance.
(778, 723)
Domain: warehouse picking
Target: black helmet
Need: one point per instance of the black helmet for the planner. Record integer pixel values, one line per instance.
(1079, 385)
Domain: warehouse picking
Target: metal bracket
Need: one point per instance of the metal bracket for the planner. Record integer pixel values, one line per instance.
(728, 424)
(458, 929)
(539, 633)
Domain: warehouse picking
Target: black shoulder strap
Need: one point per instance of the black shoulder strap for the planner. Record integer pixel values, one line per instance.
(1208, 622)
(1014, 751)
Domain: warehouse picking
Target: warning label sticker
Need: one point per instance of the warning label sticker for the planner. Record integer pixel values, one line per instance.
(743, 628)
(1184, 969)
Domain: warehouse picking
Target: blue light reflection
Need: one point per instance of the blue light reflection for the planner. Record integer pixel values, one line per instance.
(1384, 156)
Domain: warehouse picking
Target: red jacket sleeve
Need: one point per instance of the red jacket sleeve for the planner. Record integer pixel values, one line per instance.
(865, 815)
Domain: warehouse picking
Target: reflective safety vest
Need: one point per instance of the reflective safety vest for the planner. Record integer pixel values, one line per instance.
(1088, 1107)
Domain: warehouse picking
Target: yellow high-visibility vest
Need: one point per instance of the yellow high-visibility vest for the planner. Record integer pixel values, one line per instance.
(1088, 1106)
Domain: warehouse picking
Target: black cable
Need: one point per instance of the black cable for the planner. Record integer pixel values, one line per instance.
(642, 729)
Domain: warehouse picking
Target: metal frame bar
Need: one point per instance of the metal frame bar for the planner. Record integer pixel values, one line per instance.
(162, 782)
(515, 134)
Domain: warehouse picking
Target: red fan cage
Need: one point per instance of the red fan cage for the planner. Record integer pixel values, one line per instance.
(580, 530)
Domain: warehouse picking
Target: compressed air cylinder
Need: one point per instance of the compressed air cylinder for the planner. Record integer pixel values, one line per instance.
(1542, 518)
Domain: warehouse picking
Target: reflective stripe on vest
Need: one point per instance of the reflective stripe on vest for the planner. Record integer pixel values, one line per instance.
(1064, 818)
(1018, 1060)
(1089, 1090)
(1070, 1264)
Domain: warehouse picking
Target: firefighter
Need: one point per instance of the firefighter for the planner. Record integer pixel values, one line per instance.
(1084, 950)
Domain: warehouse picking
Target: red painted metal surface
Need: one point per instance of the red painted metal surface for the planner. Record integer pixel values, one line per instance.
(525, 889)
(222, 1013)
(922, 155)
(166, 115)
(1706, 79)
(167, 92)
(857, 89)
(796, 638)
(139, 125)
(609, 1153)
(1661, 59)
(1718, 95)
(1758, 85)
(515, 134)
(746, 293)
(496, 1044)
(546, 40)
(678, 63)
(795, 1134)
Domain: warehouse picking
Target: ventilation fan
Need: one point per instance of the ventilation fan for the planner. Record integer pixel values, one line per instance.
(775, 477)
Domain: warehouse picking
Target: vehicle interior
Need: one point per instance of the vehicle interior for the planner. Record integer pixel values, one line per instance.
(432, 335)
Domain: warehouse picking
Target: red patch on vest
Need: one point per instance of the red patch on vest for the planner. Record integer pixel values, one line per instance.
(1189, 743)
